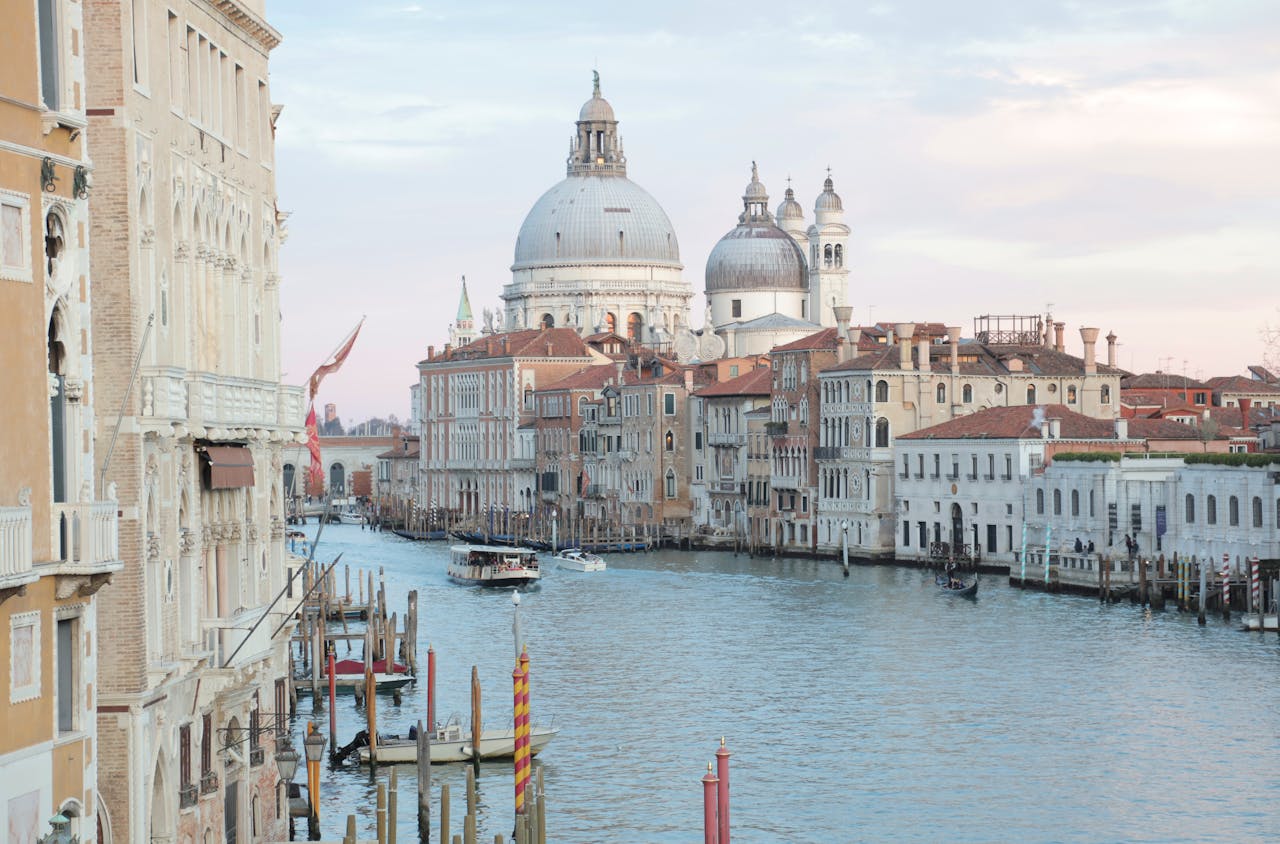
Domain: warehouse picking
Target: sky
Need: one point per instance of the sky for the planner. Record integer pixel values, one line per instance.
(1113, 161)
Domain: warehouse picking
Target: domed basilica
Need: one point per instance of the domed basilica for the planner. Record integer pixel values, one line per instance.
(597, 253)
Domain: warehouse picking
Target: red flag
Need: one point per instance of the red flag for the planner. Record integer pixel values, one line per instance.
(316, 472)
(334, 362)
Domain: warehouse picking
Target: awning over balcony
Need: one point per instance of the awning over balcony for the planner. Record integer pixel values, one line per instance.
(227, 466)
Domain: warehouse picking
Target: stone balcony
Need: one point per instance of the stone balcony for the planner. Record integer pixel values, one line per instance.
(729, 439)
(203, 399)
(86, 538)
(15, 550)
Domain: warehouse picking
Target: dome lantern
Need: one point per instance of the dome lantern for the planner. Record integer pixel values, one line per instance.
(596, 148)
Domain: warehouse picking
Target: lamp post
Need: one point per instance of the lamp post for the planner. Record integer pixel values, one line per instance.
(313, 744)
(287, 765)
(844, 544)
(555, 529)
(515, 625)
(61, 833)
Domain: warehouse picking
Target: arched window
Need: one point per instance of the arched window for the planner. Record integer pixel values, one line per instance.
(611, 323)
(1106, 394)
(1040, 502)
(882, 433)
(942, 393)
(669, 441)
(557, 244)
(1190, 513)
(528, 398)
(1057, 502)
(56, 351)
(671, 483)
(1211, 510)
(635, 325)
(55, 241)
(1075, 502)
(839, 255)
(827, 255)
(1031, 394)
(1257, 512)
(337, 479)
(548, 321)
(1071, 394)
(882, 391)
(289, 473)
(1233, 511)
(966, 394)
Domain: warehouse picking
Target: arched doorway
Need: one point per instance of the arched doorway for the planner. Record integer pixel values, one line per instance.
(337, 480)
(957, 528)
(635, 326)
(289, 472)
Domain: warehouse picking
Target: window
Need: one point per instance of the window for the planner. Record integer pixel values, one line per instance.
(1211, 510)
(50, 60)
(671, 484)
(942, 393)
(882, 391)
(648, 401)
(184, 757)
(669, 404)
(1106, 394)
(1071, 394)
(1031, 394)
(966, 394)
(206, 746)
(882, 433)
(1257, 512)
(68, 674)
(1190, 509)
(1040, 502)
(735, 308)
(1233, 511)
(24, 656)
(669, 441)
(15, 227)
(906, 534)
(1057, 502)
(175, 43)
(139, 42)
(1075, 502)
(1200, 398)
(697, 440)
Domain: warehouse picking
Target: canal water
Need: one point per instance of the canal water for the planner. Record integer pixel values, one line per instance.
(871, 708)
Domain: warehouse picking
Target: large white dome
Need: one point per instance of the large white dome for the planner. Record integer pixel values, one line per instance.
(588, 219)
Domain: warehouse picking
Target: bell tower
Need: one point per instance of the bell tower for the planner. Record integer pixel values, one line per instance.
(828, 246)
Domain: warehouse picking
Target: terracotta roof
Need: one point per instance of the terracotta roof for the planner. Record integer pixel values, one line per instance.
(1240, 384)
(531, 342)
(824, 339)
(588, 378)
(975, 359)
(410, 449)
(1017, 423)
(1161, 429)
(1261, 373)
(1160, 381)
(757, 382)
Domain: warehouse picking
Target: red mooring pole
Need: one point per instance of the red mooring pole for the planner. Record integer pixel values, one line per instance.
(517, 679)
(431, 688)
(722, 791)
(709, 782)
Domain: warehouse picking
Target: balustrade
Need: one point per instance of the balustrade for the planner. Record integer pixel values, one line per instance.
(15, 544)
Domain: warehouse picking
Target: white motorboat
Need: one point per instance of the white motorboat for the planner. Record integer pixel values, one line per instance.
(451, 743)
(493, 565)
(575, 559)
(351, 517)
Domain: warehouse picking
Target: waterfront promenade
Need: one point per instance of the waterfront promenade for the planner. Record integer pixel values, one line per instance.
(865, 709)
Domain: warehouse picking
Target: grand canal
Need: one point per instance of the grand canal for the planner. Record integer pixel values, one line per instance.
(863, 709)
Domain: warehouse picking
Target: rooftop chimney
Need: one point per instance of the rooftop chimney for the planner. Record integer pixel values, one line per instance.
(447, 348)
(621, 366)
(855, 337)
(922, 354)
(843, 314)
(1122, 428)
(904, 331)
(842, 350)
(1090, 338)
(431, 352)
(1111, 349)
(1245, 405)
(688, 380)
(1055, 428)
(1058, 329)
(953, 336)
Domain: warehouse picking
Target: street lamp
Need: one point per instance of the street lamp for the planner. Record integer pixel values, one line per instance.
(61, 833)
(515, 626)
(313, 745)
(287, 765)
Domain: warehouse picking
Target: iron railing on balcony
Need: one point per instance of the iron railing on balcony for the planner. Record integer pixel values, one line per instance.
(775, 429)
(721, 438)
(826, 452)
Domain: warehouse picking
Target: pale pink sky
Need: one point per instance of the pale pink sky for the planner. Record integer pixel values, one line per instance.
(1116, 159)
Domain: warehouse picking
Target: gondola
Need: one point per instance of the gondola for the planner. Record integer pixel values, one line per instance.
(964, 590)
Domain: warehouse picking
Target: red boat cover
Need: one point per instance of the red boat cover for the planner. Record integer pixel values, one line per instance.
(356, 666)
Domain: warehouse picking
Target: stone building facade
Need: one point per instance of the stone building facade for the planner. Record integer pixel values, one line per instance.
(58, 524)
(184, 256)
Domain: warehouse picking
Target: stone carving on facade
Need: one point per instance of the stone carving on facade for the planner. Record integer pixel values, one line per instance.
(153, 547)
(148, 394)
(277, 528)
(86, 491)
(186, 541)
(111, 492)
(250, 532)
(73, 389)
(24, 496)
(271, 280)
(147, 238)
(53, 386)
(206, 535)
(182, 252)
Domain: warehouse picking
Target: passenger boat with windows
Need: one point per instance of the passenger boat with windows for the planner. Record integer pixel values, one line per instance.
(493, 565)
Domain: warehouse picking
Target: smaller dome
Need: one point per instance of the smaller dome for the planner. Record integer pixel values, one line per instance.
(790, 209)
(828, 200)
(757, 256)
(596, 110)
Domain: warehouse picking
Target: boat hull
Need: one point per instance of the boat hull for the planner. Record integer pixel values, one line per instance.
(346, 683)
(494, 744)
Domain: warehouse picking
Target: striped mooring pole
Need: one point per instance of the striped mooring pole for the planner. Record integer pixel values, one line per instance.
(1255, 585)
(519, 678)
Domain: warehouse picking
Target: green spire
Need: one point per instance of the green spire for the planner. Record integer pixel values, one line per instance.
(464, 304)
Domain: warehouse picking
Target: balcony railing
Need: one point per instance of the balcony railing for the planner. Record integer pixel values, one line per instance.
(727, 439)
(775, 429)
(86, 534)
(188, 796)
(826, 452)
(203, 398)
(15, 546)
(593, 491)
